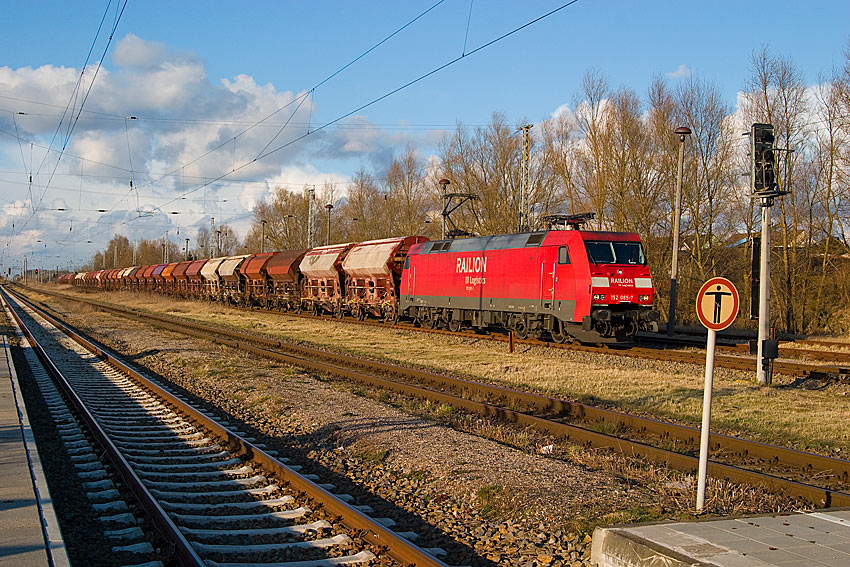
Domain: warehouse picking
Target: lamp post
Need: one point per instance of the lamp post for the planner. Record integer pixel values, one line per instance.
(682, 132)
(329, 207)
(186, 255)
(263, 242)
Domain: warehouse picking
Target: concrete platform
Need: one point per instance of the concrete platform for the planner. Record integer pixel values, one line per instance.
(816, 539)
(29, 531)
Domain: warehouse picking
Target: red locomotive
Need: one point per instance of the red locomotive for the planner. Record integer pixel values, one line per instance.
(592, 286)
(567, 284)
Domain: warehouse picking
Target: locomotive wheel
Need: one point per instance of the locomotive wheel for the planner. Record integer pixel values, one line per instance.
(557, 337)
(429, 321)
(454, 325)
(558, 334)
(520, 329)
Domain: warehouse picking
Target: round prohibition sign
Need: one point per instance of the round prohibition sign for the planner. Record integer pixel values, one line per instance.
(717, 304)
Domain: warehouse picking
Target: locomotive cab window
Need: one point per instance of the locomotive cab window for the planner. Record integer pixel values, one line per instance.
(563, 255)
(607, 252)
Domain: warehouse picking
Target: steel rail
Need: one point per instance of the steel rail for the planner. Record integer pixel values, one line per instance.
(770, 454)
(794, 369)
(371, 531)
(182, 549)
(817, 495)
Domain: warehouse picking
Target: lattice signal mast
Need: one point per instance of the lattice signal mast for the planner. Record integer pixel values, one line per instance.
(523, 221)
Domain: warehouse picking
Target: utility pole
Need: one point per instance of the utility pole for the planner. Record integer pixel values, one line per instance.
(263, 242)
(329, 207)
(167, 242)
(25, 270)
(311, 198)
(523, 224)
(682, 132)
(115, 255)
(186, 255)
(134, 253)
(764, 187)
(210, 240)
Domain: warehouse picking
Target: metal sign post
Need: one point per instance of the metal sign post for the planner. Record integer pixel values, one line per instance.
(717, 306)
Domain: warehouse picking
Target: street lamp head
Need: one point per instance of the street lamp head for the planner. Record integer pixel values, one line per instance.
(329, 207)
(444, 182)
(682, 131)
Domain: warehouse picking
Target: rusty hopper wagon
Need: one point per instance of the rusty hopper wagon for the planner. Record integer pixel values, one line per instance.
(181, 282)
(156, 282)
(232, 281)
(321, 285)
(196, 280)
(285, 279)
(256, 279)
(372, 275)
(167, 277)
(148, 281)
(212, 281)
(133, 278)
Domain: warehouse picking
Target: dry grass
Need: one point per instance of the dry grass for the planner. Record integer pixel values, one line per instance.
(785, 414)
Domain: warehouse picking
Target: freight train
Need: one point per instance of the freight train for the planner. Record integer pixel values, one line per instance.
(567, 285)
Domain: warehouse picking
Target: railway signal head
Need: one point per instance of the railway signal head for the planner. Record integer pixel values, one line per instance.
(762, 158)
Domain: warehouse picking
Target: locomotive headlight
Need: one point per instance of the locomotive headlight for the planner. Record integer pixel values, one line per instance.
(643, 298)
(598, 297)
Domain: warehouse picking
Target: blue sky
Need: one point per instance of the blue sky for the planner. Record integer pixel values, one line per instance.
(168, 61)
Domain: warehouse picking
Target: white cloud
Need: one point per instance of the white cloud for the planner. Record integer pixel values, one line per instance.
(186, 123)
(132, 51)
(680, 73)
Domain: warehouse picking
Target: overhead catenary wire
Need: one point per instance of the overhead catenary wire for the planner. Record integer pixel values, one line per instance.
(320, 83)
(374, 101)
(82, 104)
(368, 104)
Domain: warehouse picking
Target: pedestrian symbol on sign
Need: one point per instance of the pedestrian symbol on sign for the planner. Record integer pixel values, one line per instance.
(718, 301)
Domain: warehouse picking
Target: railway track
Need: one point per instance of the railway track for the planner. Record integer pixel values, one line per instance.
(821, 480)
(736, 357)
(212, 496)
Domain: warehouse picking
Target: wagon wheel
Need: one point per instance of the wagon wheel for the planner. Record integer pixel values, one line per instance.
(391, 317)
(361, 313)
(454, 325)
(339, 314)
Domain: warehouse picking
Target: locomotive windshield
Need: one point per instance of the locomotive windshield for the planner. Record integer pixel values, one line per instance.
(607, 252)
